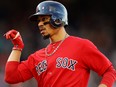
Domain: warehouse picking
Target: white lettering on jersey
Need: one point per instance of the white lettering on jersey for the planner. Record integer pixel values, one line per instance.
(66, 63)
(41, 67)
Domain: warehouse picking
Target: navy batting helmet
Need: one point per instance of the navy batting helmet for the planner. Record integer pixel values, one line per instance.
(56, 10)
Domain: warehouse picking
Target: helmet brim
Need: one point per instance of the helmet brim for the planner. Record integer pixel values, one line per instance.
(35, 16)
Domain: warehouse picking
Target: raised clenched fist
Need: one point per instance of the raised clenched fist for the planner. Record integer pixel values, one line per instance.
(16, 39)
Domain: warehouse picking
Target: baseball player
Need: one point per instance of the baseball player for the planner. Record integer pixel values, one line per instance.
(65, 62)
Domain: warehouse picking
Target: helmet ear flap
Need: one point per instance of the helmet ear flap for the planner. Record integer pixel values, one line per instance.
(56, 23)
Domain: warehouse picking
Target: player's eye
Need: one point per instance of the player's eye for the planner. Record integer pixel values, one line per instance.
(44, 19)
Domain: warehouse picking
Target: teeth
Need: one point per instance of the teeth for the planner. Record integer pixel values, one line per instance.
(42, 31)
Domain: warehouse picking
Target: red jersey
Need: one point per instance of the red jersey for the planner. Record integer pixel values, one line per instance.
(69, 66)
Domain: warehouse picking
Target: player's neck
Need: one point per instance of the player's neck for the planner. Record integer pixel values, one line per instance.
(60, 35)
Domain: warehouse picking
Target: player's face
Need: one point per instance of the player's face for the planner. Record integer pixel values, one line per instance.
(45, 27)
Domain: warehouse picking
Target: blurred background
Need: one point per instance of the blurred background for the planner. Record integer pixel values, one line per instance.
(91, 19)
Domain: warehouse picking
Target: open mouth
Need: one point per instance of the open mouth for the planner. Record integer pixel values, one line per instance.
(42, 31)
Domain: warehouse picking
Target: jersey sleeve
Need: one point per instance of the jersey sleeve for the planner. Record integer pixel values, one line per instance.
(16, 72)
(25, 68)
(93, 59)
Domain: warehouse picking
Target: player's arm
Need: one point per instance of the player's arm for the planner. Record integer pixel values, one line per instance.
(14, 56)
(108, 77)
(13, 61)
(99, 63)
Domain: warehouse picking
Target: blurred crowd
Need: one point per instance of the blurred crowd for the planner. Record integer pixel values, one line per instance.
(91, 19)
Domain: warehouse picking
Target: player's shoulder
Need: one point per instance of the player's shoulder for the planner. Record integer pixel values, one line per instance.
(76, 38)
(81, 40)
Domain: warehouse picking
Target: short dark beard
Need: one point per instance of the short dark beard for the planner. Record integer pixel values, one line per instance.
(46, 37)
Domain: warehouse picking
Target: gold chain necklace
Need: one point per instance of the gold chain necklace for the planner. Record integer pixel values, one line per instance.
(55, 48)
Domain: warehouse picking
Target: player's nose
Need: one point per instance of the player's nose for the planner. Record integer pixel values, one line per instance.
(40, 23)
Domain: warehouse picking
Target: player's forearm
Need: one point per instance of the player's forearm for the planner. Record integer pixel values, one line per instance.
(12, 74)
(108, 77)
(102, 85)
(14, 56)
